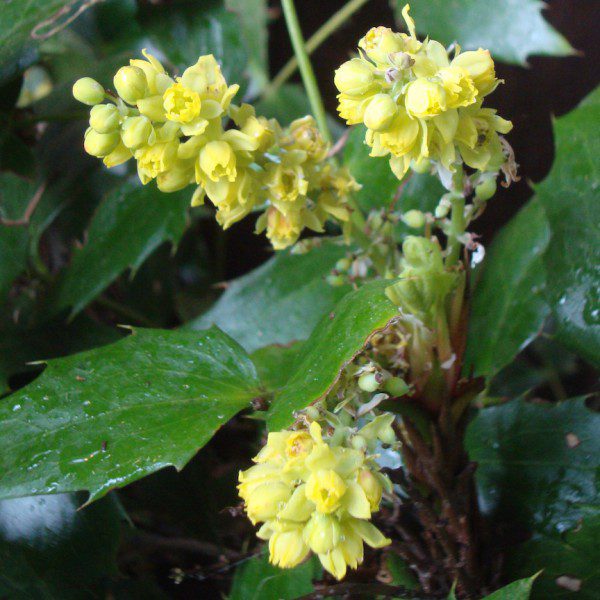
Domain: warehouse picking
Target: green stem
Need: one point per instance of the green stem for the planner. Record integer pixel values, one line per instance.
(314, 41)
(458, 225)
(306, 70)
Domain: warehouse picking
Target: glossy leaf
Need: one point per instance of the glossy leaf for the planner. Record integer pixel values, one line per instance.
(21, 345)
(537, 476)
(184, 32)
(128, 225)
(570, 196)
(253, 19)
(104, 418)
(508, 306)
(274, 364)
(15, 194)
(18, 22)
(517, 590)
(336, 340)
(380, 185)
(50, 550)
(280, 302)
(256, 579)
(512, 31)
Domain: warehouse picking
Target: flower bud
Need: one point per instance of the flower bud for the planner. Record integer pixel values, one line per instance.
(396, 386)
(425, 98)
(136, 131)
(335, 280)
(322, 533)
(131, 84)
(88, 91)
(387, 435)
(380, 42)
(104, 118)
(485, 190)
(100, 144)
(372, 488)
(343, 264)
(358, 442)
(369, 382)
(354, 77)
(380, 112)
(480, 66)
(414, 219)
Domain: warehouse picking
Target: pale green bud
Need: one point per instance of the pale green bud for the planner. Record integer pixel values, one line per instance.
(485, 190)
(335, 280)
(358, 442)
(136, 131)
(387, 435)
(380, 112)
(414, 219)
(131, 84)
(369, 382)
(104, 118)
(343, 265)
(396, 386)
(312, 412)
(88, 91)
(100, 144)
(354, 77)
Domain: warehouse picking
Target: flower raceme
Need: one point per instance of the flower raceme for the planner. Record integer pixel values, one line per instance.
(314, 496)
(419, 104)
(188, 131)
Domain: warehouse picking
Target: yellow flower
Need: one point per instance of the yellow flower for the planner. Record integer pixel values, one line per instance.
(352, 109)
(158, 81)
(379, 42)
(399, 139)
(282, 230)
(460, 88)
(137, 131)
(156, 159)
(305, 135)
(217, 161)
(335, 488)
(325, 488)
(181, 104)
(480, 67)
(425, 98)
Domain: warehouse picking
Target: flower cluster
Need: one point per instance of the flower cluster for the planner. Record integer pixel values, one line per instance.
(419, 105)
(187, 131)
(311, 494)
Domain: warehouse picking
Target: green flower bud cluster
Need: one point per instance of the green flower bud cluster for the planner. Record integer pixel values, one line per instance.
(420, 106)
(314, 492)
(176, 132)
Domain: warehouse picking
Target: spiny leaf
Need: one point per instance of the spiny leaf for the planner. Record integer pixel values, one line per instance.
(106, 417)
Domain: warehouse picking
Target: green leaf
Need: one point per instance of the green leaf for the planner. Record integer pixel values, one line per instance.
(253, 18)
(129, 224)
(517, 590)
(508, 306)
(104, 418)
(280, 302)
(380, 185)
(274, 363)
(538, 467)
(21, 345)
(15, 195)
(570, 196)
(256, 579)
(512, 30)
(50, 550)
(336, 340)
(183, 32)
(18, 22)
